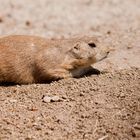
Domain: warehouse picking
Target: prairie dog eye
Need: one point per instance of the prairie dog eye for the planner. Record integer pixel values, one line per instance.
(92, 45)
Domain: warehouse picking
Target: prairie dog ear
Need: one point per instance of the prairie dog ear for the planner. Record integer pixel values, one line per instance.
(76, 46)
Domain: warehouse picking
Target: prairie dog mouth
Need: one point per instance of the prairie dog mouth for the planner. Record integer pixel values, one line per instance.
(103, 57)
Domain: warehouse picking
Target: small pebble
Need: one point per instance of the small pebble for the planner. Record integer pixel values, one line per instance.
(64, 97)
(47, 99)
(28, 23)
(82, 94)
(129, 47)
(55, 98)
(122, 95)
(108, 32)
(18, 86)
(12, 101)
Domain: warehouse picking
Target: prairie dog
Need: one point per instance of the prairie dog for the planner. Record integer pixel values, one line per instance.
(31, 59)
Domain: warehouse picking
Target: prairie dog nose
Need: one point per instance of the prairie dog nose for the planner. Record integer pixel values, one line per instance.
(92, 45)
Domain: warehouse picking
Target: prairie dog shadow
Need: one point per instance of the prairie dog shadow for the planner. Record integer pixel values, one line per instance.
(79, 73)
(8, 84)
(87, 71)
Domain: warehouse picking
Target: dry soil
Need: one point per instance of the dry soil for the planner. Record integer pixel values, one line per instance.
(98, 107)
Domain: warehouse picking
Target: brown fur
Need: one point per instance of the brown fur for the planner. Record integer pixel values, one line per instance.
(31, 59)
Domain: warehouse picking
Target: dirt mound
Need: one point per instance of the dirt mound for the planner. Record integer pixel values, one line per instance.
(102, 106)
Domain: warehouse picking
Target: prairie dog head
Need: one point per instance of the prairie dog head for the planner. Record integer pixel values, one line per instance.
(83, 54)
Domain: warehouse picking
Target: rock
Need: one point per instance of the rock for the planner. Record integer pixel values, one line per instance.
(47, 99)
(12, 101)
(55, 98)
(122, 95)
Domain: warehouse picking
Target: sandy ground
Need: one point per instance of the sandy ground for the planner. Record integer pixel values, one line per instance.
(98, 107)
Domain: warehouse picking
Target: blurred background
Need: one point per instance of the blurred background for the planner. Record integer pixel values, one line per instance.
(117, 23)
(57, 18)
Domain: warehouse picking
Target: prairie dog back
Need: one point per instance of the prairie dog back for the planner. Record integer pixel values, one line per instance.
(31, 59)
